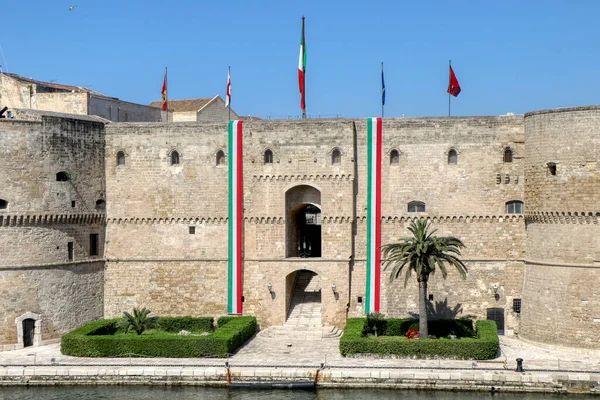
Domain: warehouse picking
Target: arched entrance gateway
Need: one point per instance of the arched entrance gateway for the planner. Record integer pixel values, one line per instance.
(303, 222)
(303, 298)
(303, 239)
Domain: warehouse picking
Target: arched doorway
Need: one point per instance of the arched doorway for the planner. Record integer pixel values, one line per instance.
(29, 329)
(303, 295)
(303, 222)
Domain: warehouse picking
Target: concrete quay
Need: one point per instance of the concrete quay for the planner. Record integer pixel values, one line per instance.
(269, 359)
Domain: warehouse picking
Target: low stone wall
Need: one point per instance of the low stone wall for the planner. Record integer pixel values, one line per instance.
(492, 380)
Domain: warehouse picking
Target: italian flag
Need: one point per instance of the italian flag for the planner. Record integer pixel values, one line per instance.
(302, 69)
(234, 292)
(374, 129)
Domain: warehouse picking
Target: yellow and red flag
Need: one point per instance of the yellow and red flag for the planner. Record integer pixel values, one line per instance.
(164, 93)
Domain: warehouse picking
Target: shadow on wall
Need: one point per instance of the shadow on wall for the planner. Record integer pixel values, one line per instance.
(441, 310)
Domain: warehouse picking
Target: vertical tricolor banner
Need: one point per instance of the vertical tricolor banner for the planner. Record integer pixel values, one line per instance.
(234, 291)
(374, 128)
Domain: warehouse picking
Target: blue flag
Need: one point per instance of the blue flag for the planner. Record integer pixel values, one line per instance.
(382, 87)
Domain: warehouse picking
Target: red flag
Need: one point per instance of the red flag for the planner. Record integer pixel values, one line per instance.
(164, 93)
(453, 86)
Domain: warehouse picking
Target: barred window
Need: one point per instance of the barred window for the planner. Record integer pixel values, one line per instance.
(517, 305)
(268, 157)
(416, 206)
(514, 207)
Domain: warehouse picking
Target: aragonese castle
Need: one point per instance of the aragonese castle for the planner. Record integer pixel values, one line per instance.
(98, 216)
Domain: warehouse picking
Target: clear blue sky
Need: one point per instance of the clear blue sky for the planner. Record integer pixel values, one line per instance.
(509, 56)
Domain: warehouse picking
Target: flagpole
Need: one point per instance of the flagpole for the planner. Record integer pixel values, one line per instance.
(303, 71)
(382, 91)
(167, 96)
(449, 66)
(229, 76)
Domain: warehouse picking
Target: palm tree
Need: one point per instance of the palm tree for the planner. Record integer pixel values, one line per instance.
(139, 321)
(421, 254)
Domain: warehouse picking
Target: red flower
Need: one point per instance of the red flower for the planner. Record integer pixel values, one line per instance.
(412, 333)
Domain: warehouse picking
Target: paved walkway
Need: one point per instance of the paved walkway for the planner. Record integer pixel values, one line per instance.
(267, 351)
(274, 358)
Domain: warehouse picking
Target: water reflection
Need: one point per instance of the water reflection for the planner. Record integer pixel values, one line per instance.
(193, 392)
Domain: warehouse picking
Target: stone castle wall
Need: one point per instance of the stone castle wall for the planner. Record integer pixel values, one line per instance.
(121, 111)
(44, 217)
(166, 224)
(562, 270)
(155, 203)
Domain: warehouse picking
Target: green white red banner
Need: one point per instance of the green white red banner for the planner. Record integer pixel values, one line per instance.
(234, 292)
(374, 129)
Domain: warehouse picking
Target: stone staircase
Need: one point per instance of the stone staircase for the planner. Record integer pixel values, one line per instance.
(304, 316)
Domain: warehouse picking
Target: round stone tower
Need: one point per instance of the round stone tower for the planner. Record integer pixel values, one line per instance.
(561, 296)
(52, 200)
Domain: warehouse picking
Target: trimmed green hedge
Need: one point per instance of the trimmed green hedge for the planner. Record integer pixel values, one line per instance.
(102, 339)
(483, 346)
(190, 324)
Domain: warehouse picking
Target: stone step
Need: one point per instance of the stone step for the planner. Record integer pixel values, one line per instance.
(293, 333)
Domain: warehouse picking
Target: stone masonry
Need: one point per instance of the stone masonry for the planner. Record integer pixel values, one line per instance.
(165, 240)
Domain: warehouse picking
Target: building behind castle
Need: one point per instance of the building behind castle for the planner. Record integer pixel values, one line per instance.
(98, 217)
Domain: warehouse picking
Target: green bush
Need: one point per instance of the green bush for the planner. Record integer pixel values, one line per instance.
(375, 324)
(102, 339)
(177, 324)
(483, 346)
(437, 327)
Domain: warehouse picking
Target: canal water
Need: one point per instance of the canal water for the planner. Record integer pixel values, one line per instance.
(193, 392)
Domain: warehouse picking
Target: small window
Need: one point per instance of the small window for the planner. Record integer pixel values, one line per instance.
(220, 157)
(517, 305)
(93, 244)
(100, 204)
(452, 157)
(268, 157)
(70, 251)
(551, 168)
(120, 159)
(192, 230)
(336, 157)
(3, 204)
(394, 157)
(174, 158)
(514, 207)
(73, 203)
(416, 206)
(508, 155)
(62, 176)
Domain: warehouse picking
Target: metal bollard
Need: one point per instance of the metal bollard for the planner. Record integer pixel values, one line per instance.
(519, 365)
